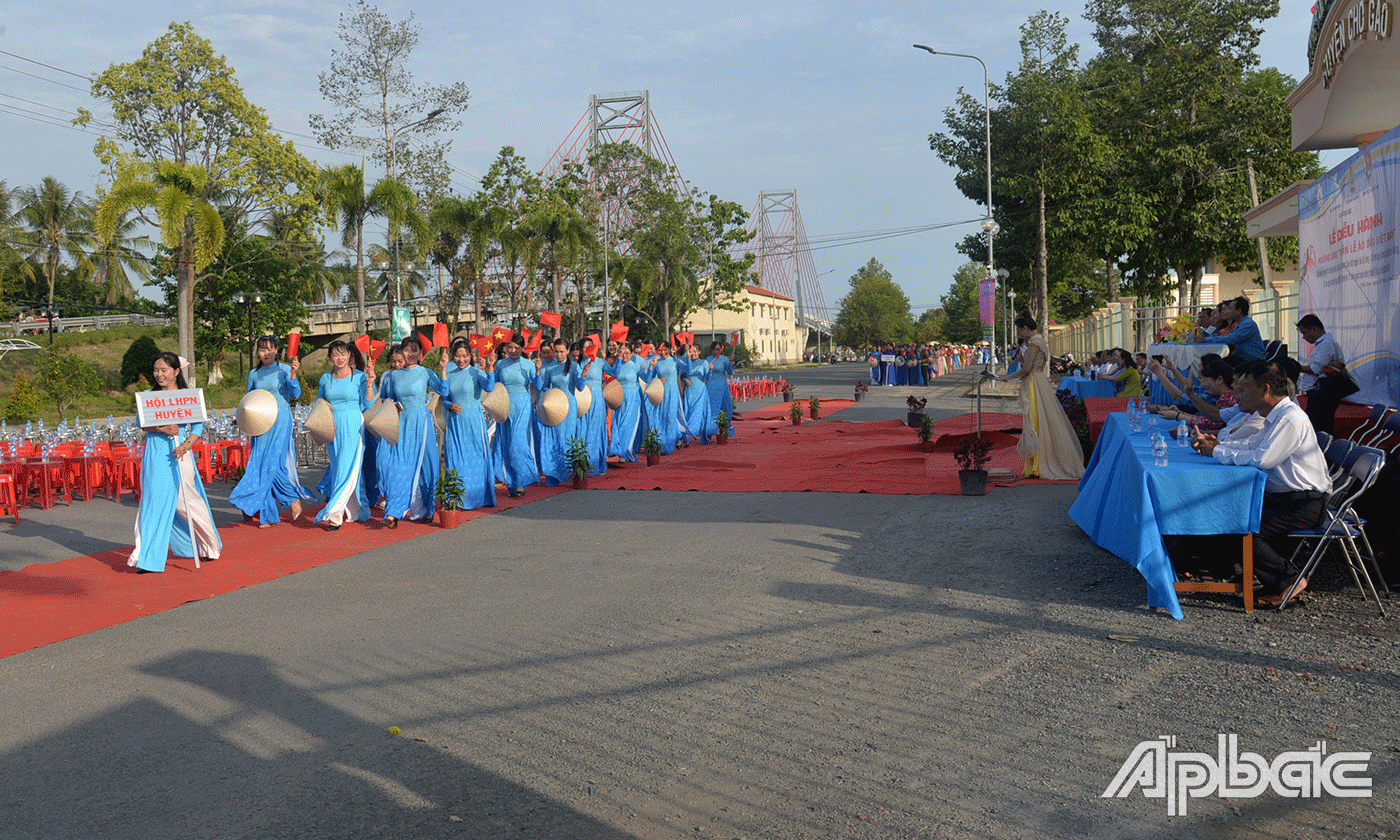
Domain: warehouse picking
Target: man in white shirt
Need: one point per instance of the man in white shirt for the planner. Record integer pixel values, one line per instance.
(1295, 470)
(1324, 377)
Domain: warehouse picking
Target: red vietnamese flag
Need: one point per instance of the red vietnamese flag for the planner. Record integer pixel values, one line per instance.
(591, 351)
(474, 342)
(734, 338)
(293, 344)
(426, 342)
(534, 345)
(550, 319)
(502, 335)
(619, 332)
(375, 348)
(525, 338)
(595, 341)
(362, 343)
(440, 337)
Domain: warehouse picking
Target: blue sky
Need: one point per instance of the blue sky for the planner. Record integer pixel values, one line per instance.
(828, 99)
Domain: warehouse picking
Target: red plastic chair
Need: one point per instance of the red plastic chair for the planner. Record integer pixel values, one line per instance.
(127, 476)
(9, 496)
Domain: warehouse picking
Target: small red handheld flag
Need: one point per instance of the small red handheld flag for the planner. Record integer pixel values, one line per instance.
(293, 344)
(549, 319)
(375, 348)
(362, 343)
(619, 332)
(427, 343)
(440, 337)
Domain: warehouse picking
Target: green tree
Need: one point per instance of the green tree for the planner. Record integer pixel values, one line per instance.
(23, 403)
(60, 223)
(378, 106)
(464, 231)
(961, 321)
(65, 379)
(343, 197)
(875, 311)
(138, 358)
(117, 258)
(185, 129)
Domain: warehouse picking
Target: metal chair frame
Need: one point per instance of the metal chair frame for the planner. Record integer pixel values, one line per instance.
(1344, 526)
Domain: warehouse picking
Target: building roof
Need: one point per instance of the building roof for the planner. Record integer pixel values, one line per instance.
(762, 292)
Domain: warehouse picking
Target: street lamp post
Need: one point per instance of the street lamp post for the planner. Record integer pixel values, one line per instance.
(248, 299)
(51, 315)
(988, 224)
(1011, 298)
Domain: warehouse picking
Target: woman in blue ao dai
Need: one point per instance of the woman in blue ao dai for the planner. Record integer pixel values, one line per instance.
(348, 391)
(665, 418)
(466, 445)
(593, 426)
(382, 450)
(174, 513)
(628, 430)
(517, 447)
(413, 461)
(270, 480)
(565, 375)
(695, 373)
(720, 371)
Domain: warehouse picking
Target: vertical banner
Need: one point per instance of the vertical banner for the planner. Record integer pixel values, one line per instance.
(1348, 263)
(403, 324)
(987, 302)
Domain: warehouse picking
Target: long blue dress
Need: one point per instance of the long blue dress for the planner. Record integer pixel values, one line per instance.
(517, 446)
(270, 480)
(554, 440)
(413, 461)
(699, 419)
(171, 492)
(665, 417)
(344, 483)
(628, 429)
(466, 446)
(593, 426)
(381, 453)
(720, 398)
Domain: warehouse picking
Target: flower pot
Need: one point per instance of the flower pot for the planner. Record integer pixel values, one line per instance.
(860, 396)
(787, 396)
(450, 518)
(580, 482)
(926, 445)
(653, 460)
(721, 438)
(797, 421)
(973, 482)
(913, 420)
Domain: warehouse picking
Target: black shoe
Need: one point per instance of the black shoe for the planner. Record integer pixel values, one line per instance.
(390, 522)
(332, 527)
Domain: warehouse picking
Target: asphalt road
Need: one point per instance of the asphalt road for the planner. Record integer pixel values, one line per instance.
(611, 664)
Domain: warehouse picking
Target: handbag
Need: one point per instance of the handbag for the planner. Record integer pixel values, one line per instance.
(1337, 385)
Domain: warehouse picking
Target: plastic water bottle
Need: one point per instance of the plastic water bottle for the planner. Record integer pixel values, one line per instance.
(1134, 418)
(1159, 450)
(1183, 434)
(1152, 422)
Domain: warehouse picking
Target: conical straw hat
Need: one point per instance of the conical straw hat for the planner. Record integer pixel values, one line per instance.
(584, 398)
(656, 391)
(321, 422)
(874, 362)
(497, 403)
(553, 407)
(385, 422)
(612, 394)
(438, 409)
(257, 412)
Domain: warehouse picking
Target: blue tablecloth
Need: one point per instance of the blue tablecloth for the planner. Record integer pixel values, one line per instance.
(1126, 503)
(1081, 387)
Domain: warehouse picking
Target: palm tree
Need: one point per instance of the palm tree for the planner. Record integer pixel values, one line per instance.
(113, 258)
(189, 225)
(13, 241)
(562, 234)
(470, 225)
(60, 223)
(343, 197)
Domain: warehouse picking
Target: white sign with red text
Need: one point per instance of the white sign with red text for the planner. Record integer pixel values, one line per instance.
(162, 408)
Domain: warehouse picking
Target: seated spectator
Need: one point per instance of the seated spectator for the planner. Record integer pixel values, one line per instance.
(1126, 374)
(1241, 333)
(1216, 379)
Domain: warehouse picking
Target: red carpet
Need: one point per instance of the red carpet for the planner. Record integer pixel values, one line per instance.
(780, 411)
(831, 456)
(48, 602)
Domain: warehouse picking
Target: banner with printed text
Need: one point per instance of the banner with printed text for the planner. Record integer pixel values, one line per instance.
(1348, 264)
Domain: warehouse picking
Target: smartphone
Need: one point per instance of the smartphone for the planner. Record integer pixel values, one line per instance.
(1159, 359)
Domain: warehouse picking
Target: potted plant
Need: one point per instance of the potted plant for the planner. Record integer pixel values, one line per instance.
(576, 456)
(787, 392)
(861, 389)
(796, 413)
(925, 433)
(972, 456)
(651, 447)
(814, 407)
(723, 426)
(451, 495)
(916, 410)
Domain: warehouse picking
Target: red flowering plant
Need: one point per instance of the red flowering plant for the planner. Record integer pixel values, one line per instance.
(973, 453)
(916, 404)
